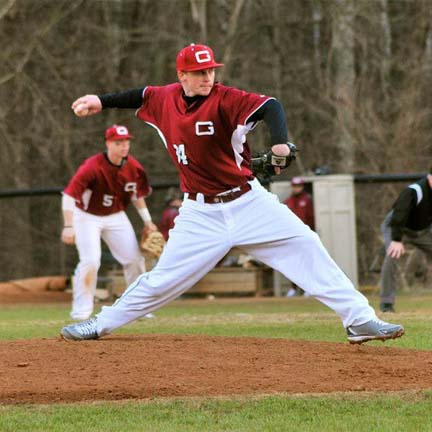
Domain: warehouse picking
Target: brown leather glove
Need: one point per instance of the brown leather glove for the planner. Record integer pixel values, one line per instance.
(152, 243)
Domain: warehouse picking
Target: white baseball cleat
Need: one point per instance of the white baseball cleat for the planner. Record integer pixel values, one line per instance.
(374, 330)
(84, 330)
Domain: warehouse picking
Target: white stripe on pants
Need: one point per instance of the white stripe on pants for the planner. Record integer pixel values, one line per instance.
(257, 223)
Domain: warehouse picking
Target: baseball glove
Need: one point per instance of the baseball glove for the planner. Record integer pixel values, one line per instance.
(152, 243)
(263, 164)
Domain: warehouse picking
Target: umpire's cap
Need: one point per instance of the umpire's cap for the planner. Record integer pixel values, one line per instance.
(196, 57)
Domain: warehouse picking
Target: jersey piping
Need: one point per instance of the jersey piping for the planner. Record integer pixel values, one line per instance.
(238, 137)
(418, 191)
(254, 111)
(161, 135)
(142, 98)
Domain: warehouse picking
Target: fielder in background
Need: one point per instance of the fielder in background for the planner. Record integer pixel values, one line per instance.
(408, 222)
(301, 204)
(93, 205)
(203, 125)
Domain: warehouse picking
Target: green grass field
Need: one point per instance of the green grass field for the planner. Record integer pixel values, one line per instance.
(287, 318)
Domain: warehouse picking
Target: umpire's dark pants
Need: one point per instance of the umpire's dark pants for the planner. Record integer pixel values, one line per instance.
(421, 239)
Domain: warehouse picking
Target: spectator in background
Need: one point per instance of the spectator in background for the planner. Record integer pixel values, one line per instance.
(300, 202)
(173, 203)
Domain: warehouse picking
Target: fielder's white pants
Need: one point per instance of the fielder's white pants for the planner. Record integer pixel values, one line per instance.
(117, 232)
(256, 223)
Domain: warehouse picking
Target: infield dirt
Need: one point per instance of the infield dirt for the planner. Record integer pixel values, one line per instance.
(147, 366)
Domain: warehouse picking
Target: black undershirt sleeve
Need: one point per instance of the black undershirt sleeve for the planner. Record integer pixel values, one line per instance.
(271, 112)
(273, 115)
(125, 99)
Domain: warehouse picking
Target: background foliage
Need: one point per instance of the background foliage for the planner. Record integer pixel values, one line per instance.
(352, 75)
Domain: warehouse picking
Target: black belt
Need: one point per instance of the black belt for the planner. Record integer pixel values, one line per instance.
(224, 196)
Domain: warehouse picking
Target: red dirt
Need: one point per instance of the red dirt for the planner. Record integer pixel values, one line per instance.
(146, 366)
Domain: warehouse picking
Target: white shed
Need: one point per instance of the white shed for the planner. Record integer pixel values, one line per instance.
(334, 209)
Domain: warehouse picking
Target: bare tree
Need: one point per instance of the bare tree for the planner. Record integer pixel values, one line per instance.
(353, 77)
(343, 81)
(199, 16)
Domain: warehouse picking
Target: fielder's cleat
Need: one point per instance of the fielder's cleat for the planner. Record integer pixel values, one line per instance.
(374, 330)
(81, 331)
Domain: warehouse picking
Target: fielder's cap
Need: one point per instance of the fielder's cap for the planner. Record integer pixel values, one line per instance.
(196, 57)
(117, 132)
(296, 181)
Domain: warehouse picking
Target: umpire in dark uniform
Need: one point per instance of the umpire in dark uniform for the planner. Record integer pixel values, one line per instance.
(408, 222)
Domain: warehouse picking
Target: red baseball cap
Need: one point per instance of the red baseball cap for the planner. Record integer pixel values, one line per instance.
(117, 132)
(196, 57)
(295, 181)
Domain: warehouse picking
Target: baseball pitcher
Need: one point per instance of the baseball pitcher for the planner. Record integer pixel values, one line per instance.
(203, 126)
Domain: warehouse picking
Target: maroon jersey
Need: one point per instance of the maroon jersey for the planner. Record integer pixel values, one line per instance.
(102, 188)
(206, 139)
(302, 206)
(167, 220)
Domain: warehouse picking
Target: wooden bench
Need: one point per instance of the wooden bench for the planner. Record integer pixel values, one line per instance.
(220, 280)
(225, 280)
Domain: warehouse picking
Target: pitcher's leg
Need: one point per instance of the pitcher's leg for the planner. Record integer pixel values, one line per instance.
(195, 246)
(305, 261)
(269, 231)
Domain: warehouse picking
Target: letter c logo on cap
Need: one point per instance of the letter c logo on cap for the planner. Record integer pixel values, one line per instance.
(202, 56)
(121, 130)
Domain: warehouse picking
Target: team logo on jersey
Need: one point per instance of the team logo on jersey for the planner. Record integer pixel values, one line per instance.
(130, 187)
(204, 128)
(202, 56)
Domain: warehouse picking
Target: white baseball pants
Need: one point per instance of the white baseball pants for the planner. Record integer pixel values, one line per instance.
(260, 225)
(117, 232)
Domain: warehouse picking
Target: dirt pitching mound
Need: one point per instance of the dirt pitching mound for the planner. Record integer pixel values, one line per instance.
(143, 366)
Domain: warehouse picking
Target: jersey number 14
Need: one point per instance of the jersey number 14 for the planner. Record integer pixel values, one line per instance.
(201, 128)
(181, 153)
